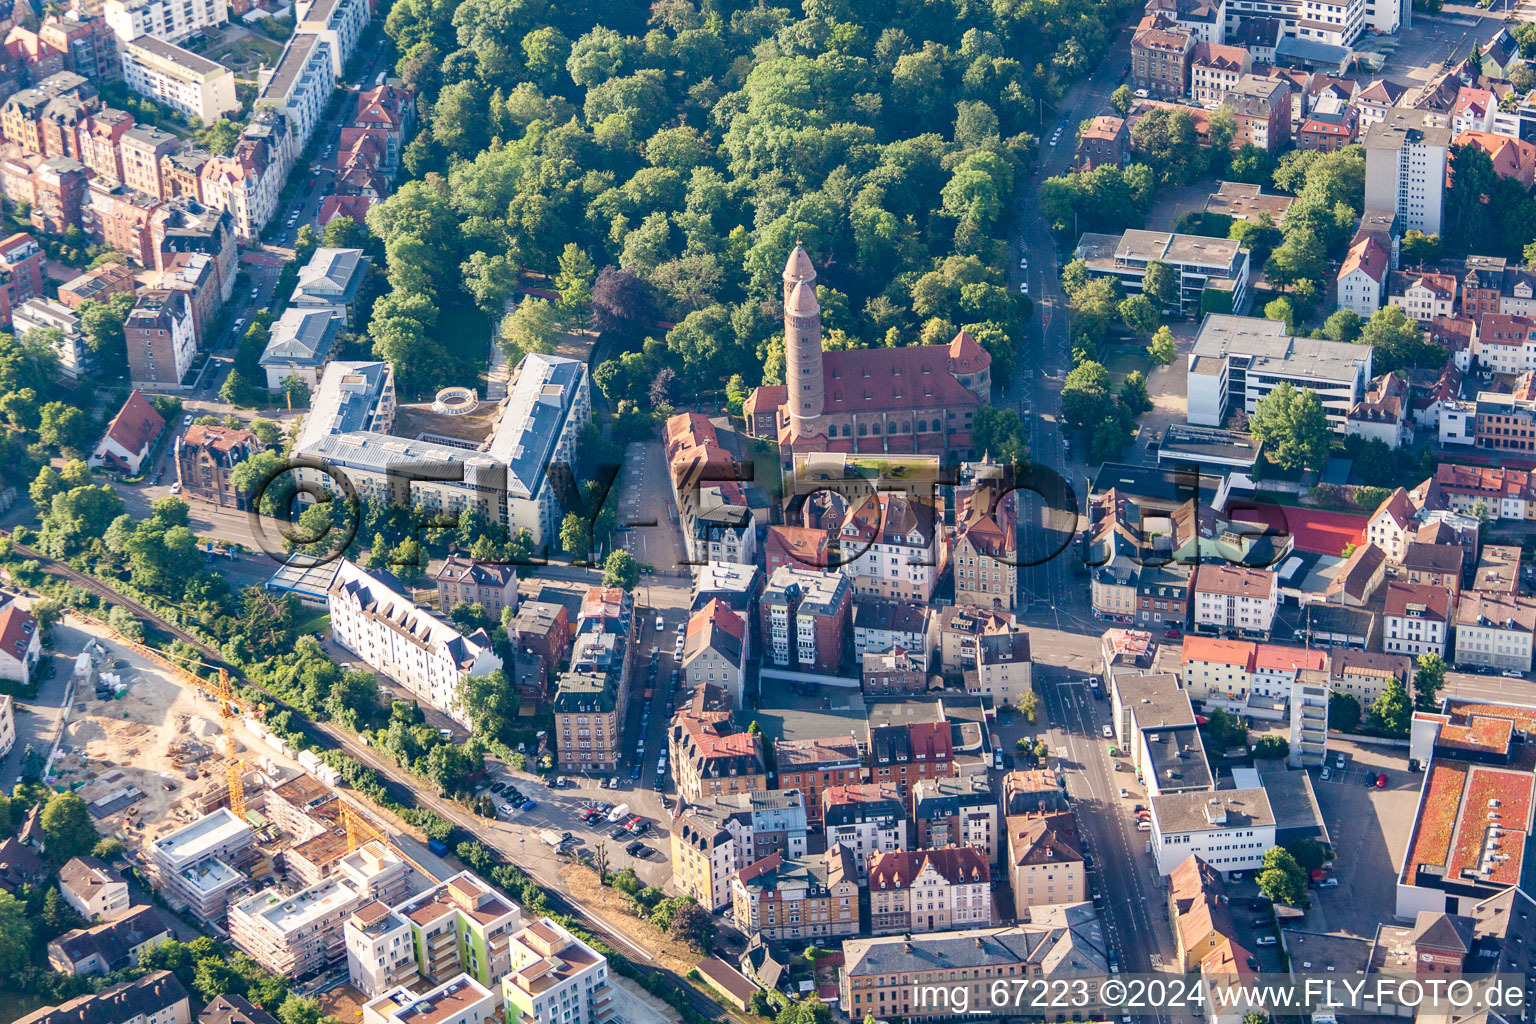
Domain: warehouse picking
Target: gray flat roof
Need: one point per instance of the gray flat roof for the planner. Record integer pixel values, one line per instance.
(1407, 126)
(1293, 802)
(291, 64)
(1266, 343)
(1156, 700)
(1192, 812)
(536, 411)
(194, 64)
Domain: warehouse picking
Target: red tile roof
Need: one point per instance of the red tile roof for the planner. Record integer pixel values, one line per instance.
(136, 424)
(959, 865)
(1219, 652)
(17, 628)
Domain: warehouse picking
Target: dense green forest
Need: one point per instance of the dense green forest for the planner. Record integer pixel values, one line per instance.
(662, 162)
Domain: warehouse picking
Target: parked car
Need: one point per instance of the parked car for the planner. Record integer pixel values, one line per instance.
(1108, 732)
(1264, 940)
(1381, 781)
(1328, 883)
(1123, 793)
(529, 805)
(617, 834)
(1325, 774)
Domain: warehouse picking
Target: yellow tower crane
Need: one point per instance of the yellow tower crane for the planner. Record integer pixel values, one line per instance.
(360, 830)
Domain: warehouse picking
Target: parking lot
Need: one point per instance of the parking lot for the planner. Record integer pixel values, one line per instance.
(1369, 828)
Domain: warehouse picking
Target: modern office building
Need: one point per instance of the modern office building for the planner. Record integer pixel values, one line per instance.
(1197, 262)
(1237, 360)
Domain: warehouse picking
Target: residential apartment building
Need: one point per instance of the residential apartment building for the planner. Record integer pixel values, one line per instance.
(961, 627)
(339, 22)
(896, 671)
(1417, 619)
(463, 1000)
(1505, 422)
(112, 946)
(206, 456)
(93, 889)
(1160, 61)
(385, 628)
(1504, 343)
(144, 149)
(1364, 674)
(1503, 492)
(1495, 631)
(1003, 669)
(1229, 829)
(1423, 296)
(789, 900)
(805, 618)
(917, 891)
(1262, 109)
(986, 548)
(161, 337)
(592, 696)
(907, 754)
(460, 926)
(709, 757)
(1214, 69)
(156, 998)
(1237, 360)
(1362, 279)
(556, 977)
(1197, 262)
(705, 855)
(381, 951)
(957, 812)
(21, 273)
(463, 580)
(715, 650)
(333, 280)
(1230, 597)
(170, 20)
(100, 284)
(1405, 165)
(199, 865)
(891, 546)
(178, 78)
(814, 766)
(866, 819)
(880, 626)
(1044, 861)
(881, 977)
(75, 357)
(300, 85)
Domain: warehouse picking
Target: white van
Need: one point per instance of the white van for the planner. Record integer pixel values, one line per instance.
(618, 814)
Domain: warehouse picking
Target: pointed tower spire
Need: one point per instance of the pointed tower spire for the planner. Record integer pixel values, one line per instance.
(802, 344)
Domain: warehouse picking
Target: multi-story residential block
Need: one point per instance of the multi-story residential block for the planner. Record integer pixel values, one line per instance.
(705, 854)
(181, 174)
(1500, 492)
(143, 148)
(58, 194)
(1362, 280)
(101, 142)
(460, 926)
(957, 812)
(7, 724)
(1105, 142)
(915, 891)
(75, 357)
(866, 819)
(1364, 674)
(1385, 414)
(1237, 360)
(1505, 343)
(206, 456)
(541, 628)
(112, 946)
(381, 951)
(161, 337)
(385, 628)
(178, 78)
(591, 698)
(1229, 829)
(986, 548)
(880, 626)
(1495, 631)
(1405, 164)
(1215, 68)
(709, 758)
(46, 119)
(302, 341)
(156, 997)
(803, 547)
(960, 629)
(814, 766)
(463, 580)
(247, 183)
(787, 900)
(387, 112)
(555, 976)
(163, 19)
(907, 754)
(1232, 597)
(891, 546)
(1416, 619)
(1498, 570)
(94, 889)
(462, 1000)
(199, 865)
(301, 934)
(1435, 565)
(880, 974)
(118, 217)
(339, 22)
(895, 671)
(1423, 296)
(21, 273)
(300, 85)
(1044, 861)
(1198, 263)
(1262, 109)
(715, 650)
(99, 285)
(333, 280)
(1506, 422)
(1003, 668)
(805, 618)
(1160, 61)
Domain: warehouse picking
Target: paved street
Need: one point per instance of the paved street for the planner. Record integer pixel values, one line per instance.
(38, 718)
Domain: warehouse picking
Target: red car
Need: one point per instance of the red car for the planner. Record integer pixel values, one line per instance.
(1171, 634)
(1381, 781)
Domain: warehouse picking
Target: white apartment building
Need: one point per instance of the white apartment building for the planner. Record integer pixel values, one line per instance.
(556, 978)
(868, 820)
(339, 22)
(461, 1000)
(248, 183)
(1197, 263)
(1505, 343)
(1003, 669)
(721, 531)
(1422, 296)
(92, 888)
(1229, 829)
(301, 84)
(39, 314)
(913, 891)
(300, 934)
(1405, 162)
(1362, 281)
(199, 865)
(381, 955)
(890, 546)
(408, 644)
(170, 20)
(180, 79)
(1237, 360)
(7, 723)
(1235, 597)
(1495, 631)
(1416, 620)
(1334, 22)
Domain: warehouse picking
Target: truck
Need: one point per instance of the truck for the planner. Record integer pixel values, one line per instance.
(438, 847)
(549, 837)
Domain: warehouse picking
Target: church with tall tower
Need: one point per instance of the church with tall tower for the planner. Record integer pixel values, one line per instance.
(921, 399)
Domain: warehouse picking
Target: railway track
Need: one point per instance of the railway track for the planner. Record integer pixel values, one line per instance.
(402, 791)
